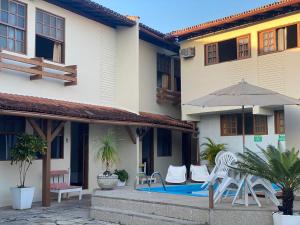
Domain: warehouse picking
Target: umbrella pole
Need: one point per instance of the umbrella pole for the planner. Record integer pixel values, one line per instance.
(243, 126)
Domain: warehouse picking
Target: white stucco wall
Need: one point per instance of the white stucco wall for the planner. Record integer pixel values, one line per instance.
(209, 126)
(148, 81)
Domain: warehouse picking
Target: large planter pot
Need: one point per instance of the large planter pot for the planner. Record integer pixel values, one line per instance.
(22, 197)
(107, 182)
(280, 219)
(121, 184)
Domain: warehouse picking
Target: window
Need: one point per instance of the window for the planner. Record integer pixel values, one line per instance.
(50, 38)
(57, 146)
(279, 122)
(228, 50)
(164, 142)
(10, 127)
(163, 71)
(278, 39)
(232, 124)
(211, 51)
(243, 47)
(177, 79)
(12, 26)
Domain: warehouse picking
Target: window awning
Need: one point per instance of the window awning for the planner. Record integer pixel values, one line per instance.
(36, 107)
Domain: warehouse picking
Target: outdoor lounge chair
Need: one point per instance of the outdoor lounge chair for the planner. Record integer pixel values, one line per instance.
(60, 185)
(199, 173)
(176, 175)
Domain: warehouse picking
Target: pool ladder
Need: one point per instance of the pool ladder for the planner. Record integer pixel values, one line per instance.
(149, 180)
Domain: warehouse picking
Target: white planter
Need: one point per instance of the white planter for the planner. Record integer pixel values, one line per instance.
(121, 184)
(280, 219)
(107, 182)
(22, 197)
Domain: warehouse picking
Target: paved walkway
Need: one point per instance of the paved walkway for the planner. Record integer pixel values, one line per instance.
(68, 212)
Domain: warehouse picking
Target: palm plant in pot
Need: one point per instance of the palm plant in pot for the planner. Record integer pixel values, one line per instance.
(107, 154)
(211, 149)
(22, 154)
(279, 167)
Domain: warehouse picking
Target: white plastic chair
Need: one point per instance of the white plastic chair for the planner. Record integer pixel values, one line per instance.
(176, 175)
(220, 171)
(199, 173)
(262, 185)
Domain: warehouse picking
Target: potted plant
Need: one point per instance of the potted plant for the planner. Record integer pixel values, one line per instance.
(22, 154)
(122, 177)
(211, 149)
(107, 153)
(279, 167)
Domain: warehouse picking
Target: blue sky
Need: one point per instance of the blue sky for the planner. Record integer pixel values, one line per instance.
(168, 15)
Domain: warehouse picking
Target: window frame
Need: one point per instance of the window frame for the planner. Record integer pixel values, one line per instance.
(63, 43)
(206, 53)
(277, 121)
(25, 30)
(237, 50)
(235, 117)
(261, 41)
(13, 132)
(161, 72)
(259, 33)
(249, 46)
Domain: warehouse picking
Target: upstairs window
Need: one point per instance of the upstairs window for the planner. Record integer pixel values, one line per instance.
(163, 71)
(232, 124)
(278, 39)
(279, 122)
(243, 47)
(228, 50)
(50, 36)
(13, 26)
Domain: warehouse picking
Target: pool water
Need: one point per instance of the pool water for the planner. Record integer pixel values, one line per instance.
(188, 189)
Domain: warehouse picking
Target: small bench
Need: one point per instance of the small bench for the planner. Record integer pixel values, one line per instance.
(60, 185)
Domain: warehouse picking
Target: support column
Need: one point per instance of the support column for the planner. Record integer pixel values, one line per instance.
(46, 198)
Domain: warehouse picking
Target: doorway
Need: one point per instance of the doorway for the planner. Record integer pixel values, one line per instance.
(189, 151)
(79, 154)
(148, 152)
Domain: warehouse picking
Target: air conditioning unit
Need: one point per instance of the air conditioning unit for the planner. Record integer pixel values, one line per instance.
(187, 53)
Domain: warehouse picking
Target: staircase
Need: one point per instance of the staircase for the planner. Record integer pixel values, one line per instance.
(130, 211)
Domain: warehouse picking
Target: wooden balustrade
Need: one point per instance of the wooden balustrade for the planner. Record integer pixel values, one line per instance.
(36, 67)
(168, 96)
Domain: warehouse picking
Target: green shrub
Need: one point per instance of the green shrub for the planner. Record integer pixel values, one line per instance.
(122, 175)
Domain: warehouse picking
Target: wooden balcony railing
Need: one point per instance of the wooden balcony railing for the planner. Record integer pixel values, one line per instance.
(38, 69)
(164, 95)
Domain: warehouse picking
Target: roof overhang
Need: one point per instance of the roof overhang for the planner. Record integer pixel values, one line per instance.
(266, 12)
(94, 11)
(35, 107)
(157, 38)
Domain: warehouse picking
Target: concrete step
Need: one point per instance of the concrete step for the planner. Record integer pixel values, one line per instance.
(129, 217)
(188, 213)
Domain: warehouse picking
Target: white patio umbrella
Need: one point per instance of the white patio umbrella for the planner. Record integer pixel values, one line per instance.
(243, 94)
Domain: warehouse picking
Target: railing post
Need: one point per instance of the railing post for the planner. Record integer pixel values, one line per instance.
(211, 196)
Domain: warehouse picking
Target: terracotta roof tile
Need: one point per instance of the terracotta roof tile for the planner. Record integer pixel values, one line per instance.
(59, 108)
(233, 18)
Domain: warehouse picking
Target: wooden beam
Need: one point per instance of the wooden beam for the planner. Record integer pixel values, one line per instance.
(36, 127)
(57, 130)
(131, 134)
(94, 121)
(46, 200)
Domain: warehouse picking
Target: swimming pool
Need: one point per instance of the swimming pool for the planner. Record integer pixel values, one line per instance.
(187, 189)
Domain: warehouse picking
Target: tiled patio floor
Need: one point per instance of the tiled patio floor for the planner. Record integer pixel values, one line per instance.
(68, 212)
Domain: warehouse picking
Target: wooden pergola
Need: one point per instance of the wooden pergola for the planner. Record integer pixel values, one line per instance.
(33, 108)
